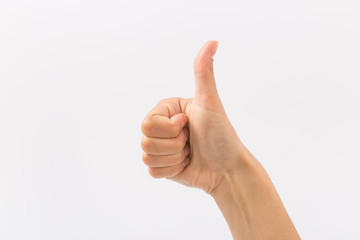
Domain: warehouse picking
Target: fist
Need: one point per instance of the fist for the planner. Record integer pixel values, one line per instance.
(165, 146)
(191, 141)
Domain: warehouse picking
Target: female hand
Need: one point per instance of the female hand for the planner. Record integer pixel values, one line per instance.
(191, 141)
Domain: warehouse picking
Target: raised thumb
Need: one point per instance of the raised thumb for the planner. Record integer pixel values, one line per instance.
(205, 86)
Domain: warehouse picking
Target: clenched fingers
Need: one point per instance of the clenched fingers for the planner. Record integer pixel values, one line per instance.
(158, 126)
(165, 146)
(165, 160)
(161, 172)
(166, 119)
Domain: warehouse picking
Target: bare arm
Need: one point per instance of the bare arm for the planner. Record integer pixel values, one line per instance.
(191, 141)
(250, 204)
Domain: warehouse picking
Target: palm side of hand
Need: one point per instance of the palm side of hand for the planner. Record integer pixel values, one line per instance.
(213, 143)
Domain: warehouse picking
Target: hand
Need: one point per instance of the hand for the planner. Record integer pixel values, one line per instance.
(192, 141)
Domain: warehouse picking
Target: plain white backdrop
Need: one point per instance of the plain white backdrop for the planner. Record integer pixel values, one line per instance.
(77, 77)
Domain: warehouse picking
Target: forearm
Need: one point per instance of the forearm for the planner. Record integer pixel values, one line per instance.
(192, 141)
(251, 205)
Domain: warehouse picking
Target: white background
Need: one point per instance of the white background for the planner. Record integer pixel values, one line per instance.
(77, 78)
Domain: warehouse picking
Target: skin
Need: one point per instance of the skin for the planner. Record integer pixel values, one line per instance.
(191, 141)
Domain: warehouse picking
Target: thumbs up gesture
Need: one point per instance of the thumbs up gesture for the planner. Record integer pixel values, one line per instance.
(192, 141)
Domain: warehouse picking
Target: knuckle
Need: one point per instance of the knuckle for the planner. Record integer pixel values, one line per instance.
(146, 159)
(146, 144)
(147, 126)
(154, 173)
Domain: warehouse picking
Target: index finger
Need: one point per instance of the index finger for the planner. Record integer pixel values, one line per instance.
(165, 120)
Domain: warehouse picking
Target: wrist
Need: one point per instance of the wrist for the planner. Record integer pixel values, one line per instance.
(250, 203)
(244, 168)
